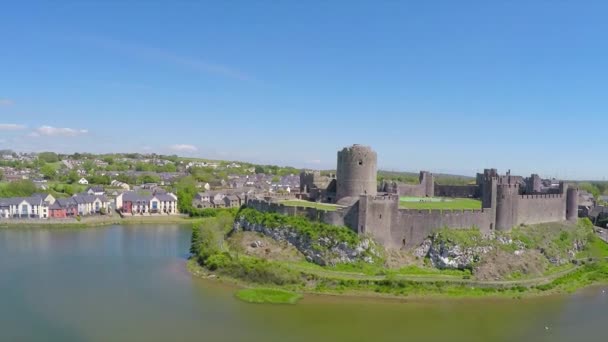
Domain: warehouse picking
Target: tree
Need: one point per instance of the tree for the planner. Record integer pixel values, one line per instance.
(259, 169)
(72, 177)
(48, 157)
(109, 160)
(1, 175)
(88, 165)
(125, 178)
(195, 239)
(590, 188)
(148, 179)
(48, 171)
(186, 190)
(98, 179)
(22, 188)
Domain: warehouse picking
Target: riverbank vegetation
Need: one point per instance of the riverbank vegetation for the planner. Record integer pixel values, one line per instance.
(264, 295)
(256, 261)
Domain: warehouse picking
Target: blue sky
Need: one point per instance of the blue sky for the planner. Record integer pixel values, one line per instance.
(448, 86)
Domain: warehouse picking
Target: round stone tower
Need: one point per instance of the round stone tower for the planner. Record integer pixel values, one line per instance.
(356, 172)
(507, 203)
(572, 204)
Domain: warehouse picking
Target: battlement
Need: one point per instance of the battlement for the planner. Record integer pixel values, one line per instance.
(442, 211)
(541, 196)
(387, 197)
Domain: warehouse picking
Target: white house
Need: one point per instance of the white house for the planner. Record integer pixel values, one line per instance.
(23, 207)
(83, 181)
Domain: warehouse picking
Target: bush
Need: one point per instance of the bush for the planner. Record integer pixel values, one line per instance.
(311, 229)
(217, 261)
(212, 212)
(261, 272)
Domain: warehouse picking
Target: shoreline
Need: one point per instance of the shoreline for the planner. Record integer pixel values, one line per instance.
(97, 221)
(509, 294)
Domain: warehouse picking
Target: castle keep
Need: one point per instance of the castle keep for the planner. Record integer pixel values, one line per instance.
(369, 208)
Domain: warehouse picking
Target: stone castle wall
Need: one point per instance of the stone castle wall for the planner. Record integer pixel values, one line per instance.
(461, 191)
(337, 218)
(541, 208)
(381, 218)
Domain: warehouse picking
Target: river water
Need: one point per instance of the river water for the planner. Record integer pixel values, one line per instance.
(130, 284)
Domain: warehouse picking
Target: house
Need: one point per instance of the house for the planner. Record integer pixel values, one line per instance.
(120, 184)
(133, 203)
(96, 190)
(205, 186)
(91, 204)
(63, 208)
(83, 181)
(218, 200)
(232, 201)
(23, 207)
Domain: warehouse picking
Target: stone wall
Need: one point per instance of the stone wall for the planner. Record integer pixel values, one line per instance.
(336, 218)
(461, 191)
(376, 217)
(426, 187)
(413, 226)
(381, 218)
(533, 209)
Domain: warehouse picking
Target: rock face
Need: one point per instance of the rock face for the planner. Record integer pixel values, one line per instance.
(445, 254)
(323, 251)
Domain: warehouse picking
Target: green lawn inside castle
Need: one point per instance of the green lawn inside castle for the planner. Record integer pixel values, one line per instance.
(276, 258)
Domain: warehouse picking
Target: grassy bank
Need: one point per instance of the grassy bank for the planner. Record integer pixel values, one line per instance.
(214, 254)
(266, 295)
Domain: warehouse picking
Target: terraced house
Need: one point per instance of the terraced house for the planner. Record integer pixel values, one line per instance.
(23, 208)
(44, 206)
(133, 203)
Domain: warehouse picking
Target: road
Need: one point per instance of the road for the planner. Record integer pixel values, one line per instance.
(602, 233)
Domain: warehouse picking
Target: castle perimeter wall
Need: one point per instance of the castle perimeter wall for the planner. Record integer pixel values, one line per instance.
(381, 218)
(339, 217)
(411, 190)
(461, 191)
(533, 209)
(376, 215)
(413, 226)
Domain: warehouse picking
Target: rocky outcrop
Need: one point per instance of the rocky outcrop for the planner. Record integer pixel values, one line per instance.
(446, 254)
(322, 251)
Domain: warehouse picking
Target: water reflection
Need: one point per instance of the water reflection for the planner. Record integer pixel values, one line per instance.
(130, 284)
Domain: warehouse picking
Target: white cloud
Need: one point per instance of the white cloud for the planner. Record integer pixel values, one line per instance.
(58, 132)
(6, 102)
(11, 127)
(183, 148)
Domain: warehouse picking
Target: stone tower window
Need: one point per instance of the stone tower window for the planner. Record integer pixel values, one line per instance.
(360, 162)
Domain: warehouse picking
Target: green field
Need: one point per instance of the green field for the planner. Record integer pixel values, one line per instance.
(439, 203)
(308, 204)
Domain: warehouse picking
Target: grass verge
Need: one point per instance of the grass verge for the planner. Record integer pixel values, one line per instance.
(266, 295)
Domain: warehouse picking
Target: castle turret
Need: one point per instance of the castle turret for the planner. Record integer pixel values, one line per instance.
(572, 204)
(356, 172)
(507, 203)
(428, 181)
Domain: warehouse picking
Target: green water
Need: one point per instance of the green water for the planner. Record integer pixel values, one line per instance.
(130, 284)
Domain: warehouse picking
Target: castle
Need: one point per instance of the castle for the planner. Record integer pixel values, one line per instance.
(506, 201)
